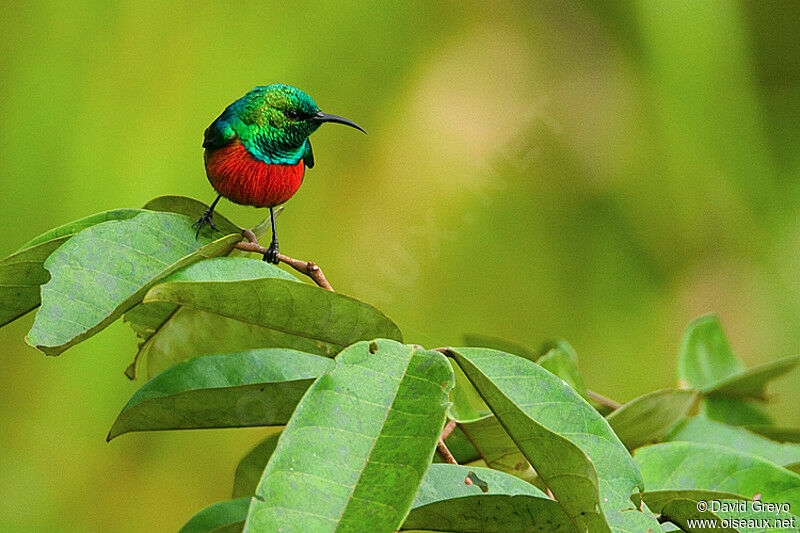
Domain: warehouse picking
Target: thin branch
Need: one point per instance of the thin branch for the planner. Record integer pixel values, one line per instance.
(308, 268)
(441, 447)
(448, 429)
(602, 400)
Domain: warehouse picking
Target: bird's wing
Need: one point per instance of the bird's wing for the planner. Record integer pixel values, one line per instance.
(308, 155)
(218, 135)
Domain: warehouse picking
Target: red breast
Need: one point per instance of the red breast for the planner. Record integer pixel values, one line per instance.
(245, 180)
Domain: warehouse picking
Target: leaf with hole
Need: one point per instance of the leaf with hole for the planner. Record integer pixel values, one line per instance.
(253, 388)
(356, 449)
(573, 449)
(446, 503)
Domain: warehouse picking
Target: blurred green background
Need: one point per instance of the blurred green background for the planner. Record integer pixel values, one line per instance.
(598, 172)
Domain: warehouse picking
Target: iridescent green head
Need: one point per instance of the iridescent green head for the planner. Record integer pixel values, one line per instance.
(273, 122)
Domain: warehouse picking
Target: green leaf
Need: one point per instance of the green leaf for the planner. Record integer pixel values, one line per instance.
(282, 313)
(702, 429)
(497, 448)
(467, 404)
(776, 433)
(192, 332)
(705, 356)
(649, 418)
(446, 503)
(225, 514)
(254, 388)
(752, 383)
(106, 269)
(683, 512)
(656, 500)
(735, 412)
(147, 319)
(23, 272)
(461, 447)
(746, 513)
(356, 449)
(478, 340)
(570, 445)
(694, 465)
(562, 360)
(250, 468)
(183, 205)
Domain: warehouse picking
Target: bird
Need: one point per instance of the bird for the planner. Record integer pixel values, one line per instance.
(257, 150)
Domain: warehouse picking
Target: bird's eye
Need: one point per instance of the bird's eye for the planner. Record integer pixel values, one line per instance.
(292, 114)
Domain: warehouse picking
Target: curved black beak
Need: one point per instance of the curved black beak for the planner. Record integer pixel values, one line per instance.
(326, 117)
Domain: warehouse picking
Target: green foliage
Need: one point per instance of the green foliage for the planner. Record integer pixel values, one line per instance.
(231, 341)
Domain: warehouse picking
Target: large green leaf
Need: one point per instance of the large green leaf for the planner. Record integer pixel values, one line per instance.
(251, 466)
(705, 356)
(106, 269)
(702, 429)
(192, 332)
(225, 516)
(274, 311)
(752, 382)
(694, 465)
(570, 445)
(147, 319)
(562, 360)
(23, 272)
(649, 418)
(356, 449)
(446, 503)
(254, 388)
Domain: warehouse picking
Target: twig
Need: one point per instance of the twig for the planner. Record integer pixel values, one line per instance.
(441, 447)
(448, 429)
(304, 267)
(602, 400)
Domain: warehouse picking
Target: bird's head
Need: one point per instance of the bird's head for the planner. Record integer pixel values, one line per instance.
(279, 118)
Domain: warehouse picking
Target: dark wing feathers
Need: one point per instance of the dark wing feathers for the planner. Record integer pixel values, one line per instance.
(214, 136)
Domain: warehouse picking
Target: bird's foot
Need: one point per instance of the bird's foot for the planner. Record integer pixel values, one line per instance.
(272, 253)
(206, 218)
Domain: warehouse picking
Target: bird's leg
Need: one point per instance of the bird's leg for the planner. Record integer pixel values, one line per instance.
(207, 218)
(272, 251)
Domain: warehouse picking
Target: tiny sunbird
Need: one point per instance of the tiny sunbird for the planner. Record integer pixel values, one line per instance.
(257, 150)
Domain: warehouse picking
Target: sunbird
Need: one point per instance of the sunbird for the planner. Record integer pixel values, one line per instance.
(257, 150)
